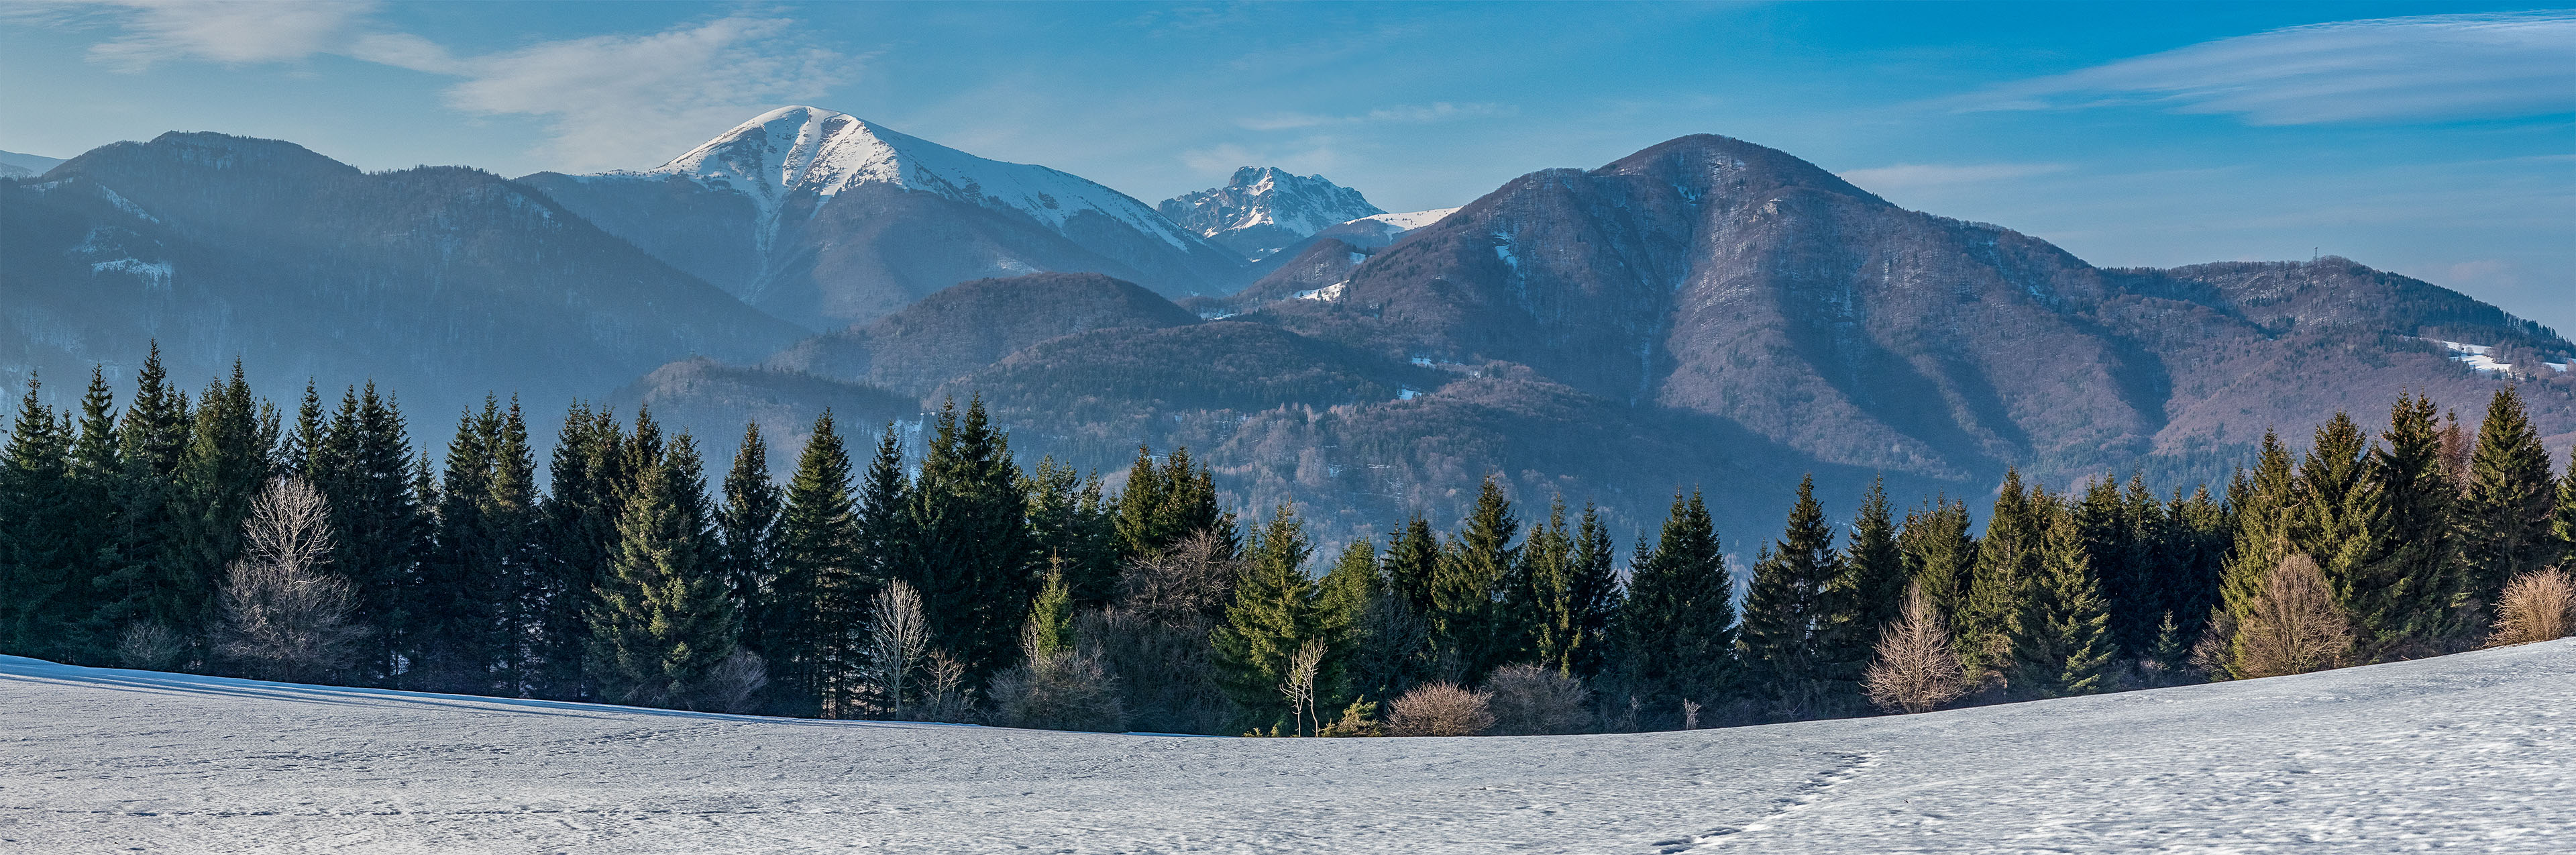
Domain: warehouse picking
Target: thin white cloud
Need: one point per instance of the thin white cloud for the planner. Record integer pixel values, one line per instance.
(240, 32)
(608, 101)
(2428, 68)
(1409, 114)
(1904, 176)
(632, 101)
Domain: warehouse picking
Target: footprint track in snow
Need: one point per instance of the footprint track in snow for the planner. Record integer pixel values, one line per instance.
(1814, 790)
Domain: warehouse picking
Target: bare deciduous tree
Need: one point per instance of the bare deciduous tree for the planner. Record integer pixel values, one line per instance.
(898, 636)
(1529, 700)
(1440, 709)
(2294, 626)
(149, 646)
(2536, 606)
(1918, 669)
(1299, 686)
(286, 617)
(944, 695)
(1192, 578)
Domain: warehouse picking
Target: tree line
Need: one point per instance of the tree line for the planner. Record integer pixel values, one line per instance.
(222, 534)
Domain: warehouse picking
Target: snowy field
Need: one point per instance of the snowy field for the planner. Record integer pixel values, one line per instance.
(2469, 753)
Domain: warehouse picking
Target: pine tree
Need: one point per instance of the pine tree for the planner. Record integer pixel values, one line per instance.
(881, 517)
(581, 511)
(1343, 597)
(456, 642)
(2404, 593)
(1276, 610)
(973, 558)
(1593, 595)
(381, 526)
(1467, 582)
(1049, 629)
(1163, 504)
(664, 617)
(747, 525)
(2199, 531)
(811, 633)
(2341, 519)
(2503, 518)
(2564, 524)
(2137, 583)
(1785, 608)
(1676, 629)
(1940, 553)
(1864, 596)
(2063, 641)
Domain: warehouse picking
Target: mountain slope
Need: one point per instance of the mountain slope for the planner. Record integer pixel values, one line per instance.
(1265, 209)
(975, 324)
(17, 165)
(440, 283)
(828, 220)
(2446, 753)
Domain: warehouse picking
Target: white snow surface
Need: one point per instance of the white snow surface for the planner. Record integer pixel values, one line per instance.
(809, 149)
(2469, 753)
(1411, 220)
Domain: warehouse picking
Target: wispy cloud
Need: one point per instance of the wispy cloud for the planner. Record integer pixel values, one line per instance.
(1410, 114)
(245, 32)
(2428, 68)
(632, 100)
(608, 101)
(1911, 175)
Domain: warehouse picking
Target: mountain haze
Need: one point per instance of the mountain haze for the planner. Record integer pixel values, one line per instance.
(826, 220)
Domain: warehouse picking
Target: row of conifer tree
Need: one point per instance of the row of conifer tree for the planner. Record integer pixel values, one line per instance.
(954, 583)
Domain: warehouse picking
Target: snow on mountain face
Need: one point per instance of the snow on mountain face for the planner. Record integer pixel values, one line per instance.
(1265, 208)
(794, 150)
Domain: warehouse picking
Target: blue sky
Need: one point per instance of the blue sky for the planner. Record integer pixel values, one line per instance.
(2437, 140)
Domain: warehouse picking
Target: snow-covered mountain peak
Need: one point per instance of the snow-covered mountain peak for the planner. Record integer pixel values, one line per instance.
(1264, 208)
(799, 149)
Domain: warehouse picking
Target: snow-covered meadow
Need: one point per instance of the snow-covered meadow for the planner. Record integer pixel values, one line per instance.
(2471, 753)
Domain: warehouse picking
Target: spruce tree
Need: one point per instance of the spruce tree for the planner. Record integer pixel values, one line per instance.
(381, 525)
(581, 512)
(152, 436)
(223, 466)
(811, 633)
(2341, 519)
(2062, 644)
(973, 558)
(1467, 582)
(95, 475)
(2263, 504)
(1676, 629)
(1865, 594)
(2137, 583)
(747, 525)
(664, 615)
(1343, 596)
(1412, 561)
(2198, 533)
(2007, 561)
(1939, 552)
(1785, 608)
(36, 561)
(456, 641)
(1049, 629)
(1540, 601)
(1165, 503)
(1592, 595)
(1074, 527)
(2404, 593)
(1276, 610)
(2503, 518)
(881, 516)
(2564, 524)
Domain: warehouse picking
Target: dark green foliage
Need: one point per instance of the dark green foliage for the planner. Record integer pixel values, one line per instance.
(2503, 518)
(809, 632)
(2007, 559)
(580, 528)
(2198, 533)
(222, 467)
(664, 617)
(2564, 524)
(1164, 503)
(2263, 505)
(2342, 516)
(972, 556)
(1866, 593)
(458, 637)
(1075, 530)
(1676, 629)
(36, 534)
(381, 528)
(1939, 552)
(1412, 561)
(1785, 610)
(1276, 610)
(1466, 584)
(2062, 641)
(747, 525)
